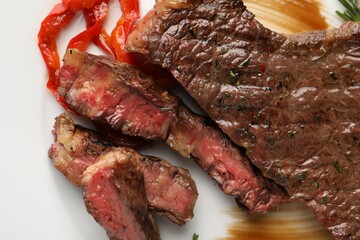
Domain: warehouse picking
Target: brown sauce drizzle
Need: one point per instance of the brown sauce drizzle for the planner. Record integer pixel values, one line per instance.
(288, 16)
(290, 222)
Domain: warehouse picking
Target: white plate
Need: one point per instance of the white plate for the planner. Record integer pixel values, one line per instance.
(37, 202)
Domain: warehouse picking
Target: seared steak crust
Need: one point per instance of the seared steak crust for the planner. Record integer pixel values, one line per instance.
(96, 77)
(114, 194)
(75, 148)
(170, 190)
(292, 102)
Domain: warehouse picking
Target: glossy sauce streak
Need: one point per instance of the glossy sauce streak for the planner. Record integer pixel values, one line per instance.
(288, 16)
(291, 221)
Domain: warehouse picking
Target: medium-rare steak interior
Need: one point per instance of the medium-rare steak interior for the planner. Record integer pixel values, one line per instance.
(120, 95)
(291, 101)
(114, 194)
(170, 190)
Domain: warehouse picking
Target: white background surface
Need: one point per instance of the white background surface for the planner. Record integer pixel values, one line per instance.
(36, 201)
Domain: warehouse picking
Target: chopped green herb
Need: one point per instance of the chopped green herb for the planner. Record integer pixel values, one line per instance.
(291, 134)
(352, 12)
(239, 107)
(221, 16)
(227, 107)
(233, 74)
(233, 77)
(248, 152)
(318, 118)
(302, 175)
(246, 62)
(227, 95)
(217, 63)
(338, 167)
(165, 109)
(316, 185)
(233, 80)
(267, 124)
(325, 199)
(195, 236)
(333, 75)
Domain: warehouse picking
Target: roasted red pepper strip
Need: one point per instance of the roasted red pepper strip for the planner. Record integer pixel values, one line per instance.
(130, 11)
(92, 16)
(57, 19)
(78, 5)
(93, 31)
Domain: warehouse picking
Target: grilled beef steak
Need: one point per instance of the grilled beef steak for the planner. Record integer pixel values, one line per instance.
(117, 93)
(291, 101)
(170, 190)
(114, 194)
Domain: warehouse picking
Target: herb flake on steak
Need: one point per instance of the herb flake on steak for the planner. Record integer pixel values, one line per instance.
(120, 95)
(291, 101)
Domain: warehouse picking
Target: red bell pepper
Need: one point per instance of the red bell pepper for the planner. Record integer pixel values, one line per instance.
(58, 18)
(97, 13)
(96, 16)
(78, 5)
(130, 13)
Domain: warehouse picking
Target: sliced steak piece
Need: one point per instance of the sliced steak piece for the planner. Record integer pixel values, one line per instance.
(114, 194)
(86, 80)
(170, 190)
(292, 102)
(123, 98)
(190, 135)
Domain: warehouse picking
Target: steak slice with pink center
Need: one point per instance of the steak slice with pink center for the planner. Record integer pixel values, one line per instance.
(120, 95)
(170, 190)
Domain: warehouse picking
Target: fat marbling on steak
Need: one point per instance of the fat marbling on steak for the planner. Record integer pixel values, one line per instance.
(170, 190)
(291, 101)
(122, 96)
